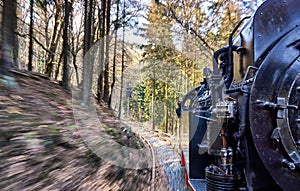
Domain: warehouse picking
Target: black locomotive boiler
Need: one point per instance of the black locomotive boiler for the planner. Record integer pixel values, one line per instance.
(241, 127)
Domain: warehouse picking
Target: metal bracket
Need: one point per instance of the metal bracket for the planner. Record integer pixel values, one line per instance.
(226, 109)
(280, 106)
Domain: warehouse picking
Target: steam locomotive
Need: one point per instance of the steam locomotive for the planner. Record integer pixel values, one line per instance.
(240, 129)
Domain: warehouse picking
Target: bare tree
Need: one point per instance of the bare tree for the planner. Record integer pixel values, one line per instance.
(123, 65)
(76, 45)
(8, 46)
(87, 66)
(106, 70)
(56, 34)
(115, 52)
(66, 47)
(30, 49)
(102, 34)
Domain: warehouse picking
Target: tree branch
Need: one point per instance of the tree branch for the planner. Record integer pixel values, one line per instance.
(187, 28)
(37, 41)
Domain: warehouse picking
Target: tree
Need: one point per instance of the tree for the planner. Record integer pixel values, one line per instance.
(101, 52)
(38, 33)
(115, 52)
(123, 64)
(201, 38)
(205, 19)
(228, 14)
(66, 47)
(107, 39)
(87, 65)
(76, 44)
(158, 32)
(55, 36)
(30, 49)
(8, 40)
(191, 16)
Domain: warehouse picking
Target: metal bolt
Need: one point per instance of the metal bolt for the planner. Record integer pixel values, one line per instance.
(288, 164)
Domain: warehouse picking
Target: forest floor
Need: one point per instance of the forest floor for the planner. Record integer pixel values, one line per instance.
(42, 149)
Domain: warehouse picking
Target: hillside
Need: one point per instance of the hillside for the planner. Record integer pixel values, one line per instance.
(41, 148)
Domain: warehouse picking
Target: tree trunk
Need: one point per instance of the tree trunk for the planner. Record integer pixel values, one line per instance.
(66, 48)
(75, 48)
(58, 65)
(30, 49)
(47, 40)
(76, 70)
(153, 103)
(87, 66)
(115, 54)
(54, 40)
(123, 67)
(8, 28)
(166, 109)
(106, 71)
(102, 34)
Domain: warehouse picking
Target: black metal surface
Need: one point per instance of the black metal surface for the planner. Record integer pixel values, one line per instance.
(278, 69)
(245, 59)
(272, 20)
(267, 140)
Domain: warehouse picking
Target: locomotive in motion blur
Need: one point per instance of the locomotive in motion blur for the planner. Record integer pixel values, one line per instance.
(243, 122)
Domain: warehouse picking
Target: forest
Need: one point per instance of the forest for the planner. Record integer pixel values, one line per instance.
(137, 57)
(65, 64)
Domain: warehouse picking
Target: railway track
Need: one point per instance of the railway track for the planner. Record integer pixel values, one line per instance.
(153, 160)
(165, 156)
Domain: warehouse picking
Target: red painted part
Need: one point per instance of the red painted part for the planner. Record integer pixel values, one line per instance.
(182, 159)
(187, 181)
(183, 164)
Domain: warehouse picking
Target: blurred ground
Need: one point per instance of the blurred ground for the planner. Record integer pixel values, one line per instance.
(41, 149)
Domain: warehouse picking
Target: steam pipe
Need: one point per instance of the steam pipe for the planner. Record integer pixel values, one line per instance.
(244, 113)
(216, 70)
(225, 49)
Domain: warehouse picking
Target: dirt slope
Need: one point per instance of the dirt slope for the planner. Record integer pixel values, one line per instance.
(41, 149)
